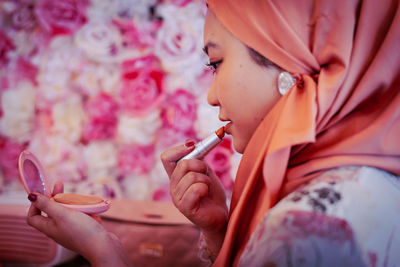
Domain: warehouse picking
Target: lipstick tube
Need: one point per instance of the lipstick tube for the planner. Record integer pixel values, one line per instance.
(203, 147)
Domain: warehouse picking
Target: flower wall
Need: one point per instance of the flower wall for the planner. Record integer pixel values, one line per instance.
(97, 89)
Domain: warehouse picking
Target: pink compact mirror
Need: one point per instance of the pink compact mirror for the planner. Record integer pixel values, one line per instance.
(33, 178)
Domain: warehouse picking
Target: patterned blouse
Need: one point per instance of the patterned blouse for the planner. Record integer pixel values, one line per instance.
(349, 216)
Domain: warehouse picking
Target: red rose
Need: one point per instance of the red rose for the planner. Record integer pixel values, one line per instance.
(142, 85)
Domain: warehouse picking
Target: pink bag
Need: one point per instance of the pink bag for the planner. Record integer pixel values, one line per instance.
(153, 233)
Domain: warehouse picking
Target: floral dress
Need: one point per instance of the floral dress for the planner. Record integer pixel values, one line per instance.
(349, 216)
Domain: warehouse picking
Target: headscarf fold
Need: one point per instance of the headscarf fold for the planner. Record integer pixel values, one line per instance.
(344, 110)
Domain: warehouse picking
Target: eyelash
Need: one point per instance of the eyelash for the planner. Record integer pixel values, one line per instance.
(214, 65)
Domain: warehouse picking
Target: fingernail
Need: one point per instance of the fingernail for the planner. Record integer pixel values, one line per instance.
(189, 143)
(32, 197)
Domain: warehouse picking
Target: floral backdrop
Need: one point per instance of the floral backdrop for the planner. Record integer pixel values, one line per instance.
(97, 89)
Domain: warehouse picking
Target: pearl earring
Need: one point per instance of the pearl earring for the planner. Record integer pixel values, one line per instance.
(285, 82)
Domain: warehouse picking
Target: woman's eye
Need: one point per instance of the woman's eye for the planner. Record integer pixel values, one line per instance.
(214, 65)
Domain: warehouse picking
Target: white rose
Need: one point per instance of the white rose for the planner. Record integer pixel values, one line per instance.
(139, 130)
(60, 159)
(103, 10)
(96, 78)
(49, 149)
(26, 43)
(56, 67)
(109, 78)
(18, 106)
(106, 9)
(63, 55)
(68, 117)
(136, 187)
(101, 159)
(107, 188)
(158, 174)
(102, 42)
(178, 44)
(207, 119)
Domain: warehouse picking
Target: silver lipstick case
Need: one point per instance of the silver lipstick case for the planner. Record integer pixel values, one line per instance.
(203, 147)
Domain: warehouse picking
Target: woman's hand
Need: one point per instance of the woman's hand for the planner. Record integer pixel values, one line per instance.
(198, 193)
(75, 230)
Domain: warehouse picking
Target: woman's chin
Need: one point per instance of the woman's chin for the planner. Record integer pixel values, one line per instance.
(238, 146)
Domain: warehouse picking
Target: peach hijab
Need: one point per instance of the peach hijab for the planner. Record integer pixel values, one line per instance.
(344, 109)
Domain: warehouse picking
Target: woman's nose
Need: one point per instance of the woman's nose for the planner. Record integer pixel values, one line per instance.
(212, 97)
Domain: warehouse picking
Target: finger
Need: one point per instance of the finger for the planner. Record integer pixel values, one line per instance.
(184, 184)
(172, 155)
(184, 167)
(51, 208)
(33, 211)
(58, 188)
(191, 199)
(36, 220)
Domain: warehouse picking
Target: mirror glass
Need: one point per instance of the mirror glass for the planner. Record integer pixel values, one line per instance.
(33, 177)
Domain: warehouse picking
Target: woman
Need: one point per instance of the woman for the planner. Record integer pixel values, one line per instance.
(315, 185)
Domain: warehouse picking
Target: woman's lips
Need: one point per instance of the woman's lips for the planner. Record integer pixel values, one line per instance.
(228, 128)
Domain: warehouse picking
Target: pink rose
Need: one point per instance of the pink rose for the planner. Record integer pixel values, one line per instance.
(180, 111)
(162, 194)
(61, 16)
(98, 129)
(142, 85)
(21, 70)
(139, 35)
(6, 45)
(9, 154)
(102, 112)
(23, 18)
(102, 107)
(169, 137)
(219, 161)
(136, 159)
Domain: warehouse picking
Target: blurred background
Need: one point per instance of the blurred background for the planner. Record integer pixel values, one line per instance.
(97, 89)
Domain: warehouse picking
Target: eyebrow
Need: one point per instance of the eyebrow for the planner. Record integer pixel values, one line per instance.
(208, 45)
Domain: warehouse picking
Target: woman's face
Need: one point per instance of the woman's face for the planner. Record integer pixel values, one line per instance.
(243, 90)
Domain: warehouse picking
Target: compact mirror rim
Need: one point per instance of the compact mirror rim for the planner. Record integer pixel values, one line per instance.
(27, 155)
